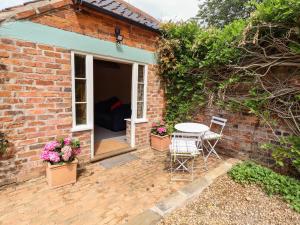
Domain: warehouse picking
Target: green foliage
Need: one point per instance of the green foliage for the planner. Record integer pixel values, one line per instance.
(219, 13)
(271, 182)
(282, 11)
(186, 48)
(3, 144)
(287, 151)
(75, 143)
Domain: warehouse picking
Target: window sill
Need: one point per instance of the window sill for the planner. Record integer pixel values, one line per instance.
(138, 120)
(81, 128)
(141, 121)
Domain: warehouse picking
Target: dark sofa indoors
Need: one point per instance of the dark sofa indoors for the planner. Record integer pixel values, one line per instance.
(111, 117)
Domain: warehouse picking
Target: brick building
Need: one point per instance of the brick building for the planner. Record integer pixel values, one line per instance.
(58, 60)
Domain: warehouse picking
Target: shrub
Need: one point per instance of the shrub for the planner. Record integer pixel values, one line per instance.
(271, 182)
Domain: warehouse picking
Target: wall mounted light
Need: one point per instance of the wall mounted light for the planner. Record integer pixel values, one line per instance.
(119, 37)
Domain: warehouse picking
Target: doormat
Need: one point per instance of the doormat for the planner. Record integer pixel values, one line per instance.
(118, 160)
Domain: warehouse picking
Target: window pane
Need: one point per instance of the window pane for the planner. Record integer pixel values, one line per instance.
(80, 90)
(140, 93)
(140, 107)
(80, 66)
(80, 113)
(141, 74)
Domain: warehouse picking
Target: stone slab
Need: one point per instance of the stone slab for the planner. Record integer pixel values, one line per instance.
(216, 172)
(172, 202)
(196, 187)
(118, 161)
(148, 217)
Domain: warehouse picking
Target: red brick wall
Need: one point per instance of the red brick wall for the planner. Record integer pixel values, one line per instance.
(98, 25)
(243, 135)
(35, 102)
(35, 91)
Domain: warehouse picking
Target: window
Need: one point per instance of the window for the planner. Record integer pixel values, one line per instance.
(141, 93)
(80, 90)
(82, 77)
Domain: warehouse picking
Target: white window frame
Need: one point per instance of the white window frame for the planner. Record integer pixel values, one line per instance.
(144, 118)
(89, 93)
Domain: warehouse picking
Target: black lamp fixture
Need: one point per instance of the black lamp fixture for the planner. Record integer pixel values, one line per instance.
(119, 37)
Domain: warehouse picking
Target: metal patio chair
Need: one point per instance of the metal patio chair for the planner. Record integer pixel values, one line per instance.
(184, 148)
(212, 138)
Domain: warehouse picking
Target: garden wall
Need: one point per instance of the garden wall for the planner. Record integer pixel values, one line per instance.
(243, 135)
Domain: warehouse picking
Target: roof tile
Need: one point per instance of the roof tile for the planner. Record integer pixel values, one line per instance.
(123, 9)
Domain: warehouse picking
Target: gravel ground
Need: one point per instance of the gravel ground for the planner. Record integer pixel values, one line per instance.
(226, 202)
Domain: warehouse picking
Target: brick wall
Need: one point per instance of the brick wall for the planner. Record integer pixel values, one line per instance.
(35, 104)
(243, 135)
(98, 25)
(35, 90)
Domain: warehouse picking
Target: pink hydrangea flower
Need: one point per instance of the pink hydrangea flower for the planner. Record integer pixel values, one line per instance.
(76, 151)
(54, 157)
(161, 130)
(45, 155)
(67, 153)
(51, 146)
(68, 141)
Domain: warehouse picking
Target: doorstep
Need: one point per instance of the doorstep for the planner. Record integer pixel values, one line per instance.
(183, 196)
(112, 154)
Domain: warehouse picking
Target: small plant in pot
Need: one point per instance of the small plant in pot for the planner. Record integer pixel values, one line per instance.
(60, 156)
(3, 145)
(160, 139)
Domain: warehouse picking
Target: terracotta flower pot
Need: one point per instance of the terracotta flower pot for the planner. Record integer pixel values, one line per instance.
(60, 175)
(160, 143)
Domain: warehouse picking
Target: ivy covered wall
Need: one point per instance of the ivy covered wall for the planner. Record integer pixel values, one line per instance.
(251, 67)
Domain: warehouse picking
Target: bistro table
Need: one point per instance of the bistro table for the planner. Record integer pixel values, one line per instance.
(199, 128)
(192, 127)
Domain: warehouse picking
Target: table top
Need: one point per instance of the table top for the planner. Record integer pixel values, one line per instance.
(191, 127)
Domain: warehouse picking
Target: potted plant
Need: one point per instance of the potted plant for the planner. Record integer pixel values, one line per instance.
(60, 156)
(160, 139)
(3, 145)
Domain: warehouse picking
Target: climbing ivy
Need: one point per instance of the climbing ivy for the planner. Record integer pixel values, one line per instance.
(188, 57)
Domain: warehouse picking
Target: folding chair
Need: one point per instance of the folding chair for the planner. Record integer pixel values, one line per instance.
(184, 148)
(212, 138)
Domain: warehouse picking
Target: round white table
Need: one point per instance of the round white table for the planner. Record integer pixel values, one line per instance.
(191, 127)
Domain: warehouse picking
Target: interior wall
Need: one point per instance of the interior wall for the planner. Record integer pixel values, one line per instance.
(112, 79)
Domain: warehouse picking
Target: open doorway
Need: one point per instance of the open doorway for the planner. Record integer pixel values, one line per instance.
(112, 106)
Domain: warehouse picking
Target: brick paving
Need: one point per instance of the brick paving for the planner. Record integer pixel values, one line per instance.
(101, 196)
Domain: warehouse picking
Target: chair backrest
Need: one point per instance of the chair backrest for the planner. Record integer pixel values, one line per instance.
(221, 122)
(186, 141)
(186, 136)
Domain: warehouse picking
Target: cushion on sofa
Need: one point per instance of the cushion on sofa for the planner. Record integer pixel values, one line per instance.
(104, 106)
(116, 105)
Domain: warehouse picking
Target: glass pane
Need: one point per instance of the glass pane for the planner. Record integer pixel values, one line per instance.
(80, 90)
(80, 113)
(140, 93)
(80, 66)
(140, 107)
(141, 74)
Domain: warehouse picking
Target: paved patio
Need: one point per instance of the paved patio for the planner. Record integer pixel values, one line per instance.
(102, 195)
